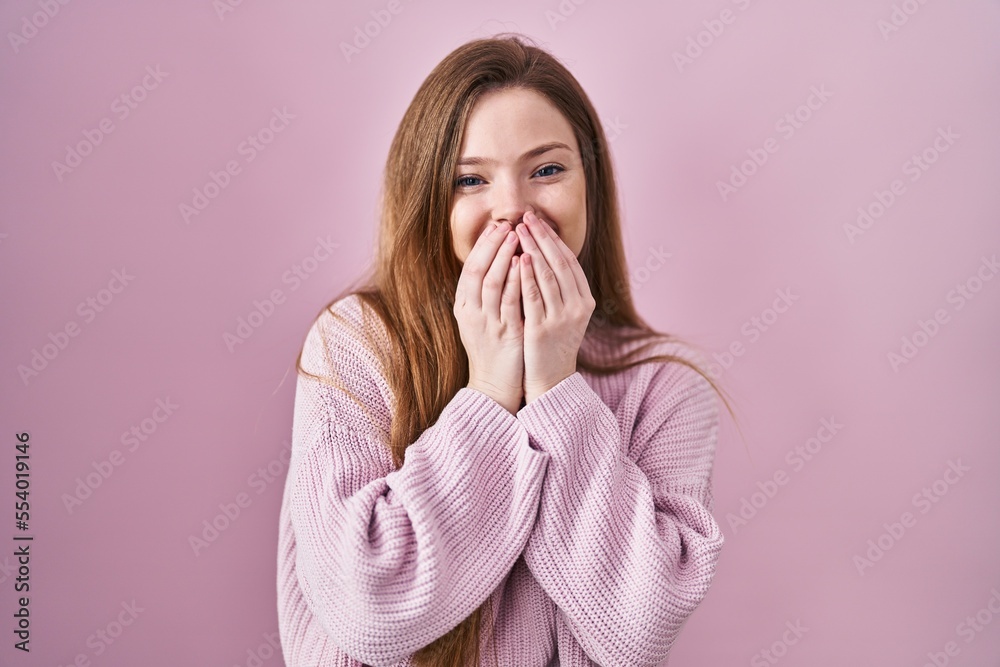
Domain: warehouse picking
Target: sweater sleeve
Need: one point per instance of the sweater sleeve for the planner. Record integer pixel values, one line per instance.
(391, 559)
(625, 544)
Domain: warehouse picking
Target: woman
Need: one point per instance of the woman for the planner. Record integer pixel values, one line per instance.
(485, 469)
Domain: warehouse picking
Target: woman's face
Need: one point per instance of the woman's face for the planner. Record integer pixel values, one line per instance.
(518, 153)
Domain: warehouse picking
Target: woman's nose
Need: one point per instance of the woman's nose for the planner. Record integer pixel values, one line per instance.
(516, 216)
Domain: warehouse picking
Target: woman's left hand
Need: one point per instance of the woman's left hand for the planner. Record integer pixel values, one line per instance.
(557, 306)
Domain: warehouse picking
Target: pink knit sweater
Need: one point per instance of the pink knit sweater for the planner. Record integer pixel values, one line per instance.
(585, 519)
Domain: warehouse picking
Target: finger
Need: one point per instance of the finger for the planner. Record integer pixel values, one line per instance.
(531, 297)
(551, 247)
(547, 284)
(510, 303)
(496, 275)
(470, 282)
(580, 277)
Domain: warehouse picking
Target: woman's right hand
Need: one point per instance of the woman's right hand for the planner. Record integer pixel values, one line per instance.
(488, 311)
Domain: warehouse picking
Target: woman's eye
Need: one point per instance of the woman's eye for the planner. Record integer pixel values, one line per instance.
(464, 181)
(461, 181)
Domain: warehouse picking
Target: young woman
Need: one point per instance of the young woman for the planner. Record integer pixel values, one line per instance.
(488, 468)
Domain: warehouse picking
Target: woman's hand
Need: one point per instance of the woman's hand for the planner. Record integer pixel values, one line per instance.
(557, 306)
(488, 311)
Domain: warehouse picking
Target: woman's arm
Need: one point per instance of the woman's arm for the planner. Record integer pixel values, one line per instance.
(625, 543)
(390, 560)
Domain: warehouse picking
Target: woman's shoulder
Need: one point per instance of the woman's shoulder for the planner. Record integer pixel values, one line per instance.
(346, 328)
(345, 312)
(350, 315)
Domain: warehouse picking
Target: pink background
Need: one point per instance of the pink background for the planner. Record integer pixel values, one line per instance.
(676, 131)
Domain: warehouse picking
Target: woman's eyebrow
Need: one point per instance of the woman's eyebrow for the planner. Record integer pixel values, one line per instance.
(534, 152)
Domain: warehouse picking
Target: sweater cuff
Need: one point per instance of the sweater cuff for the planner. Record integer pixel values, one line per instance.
(479, 429)
(484, 411)
(568, 411)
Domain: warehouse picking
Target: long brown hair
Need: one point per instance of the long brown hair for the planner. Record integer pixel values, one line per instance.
(412, 284)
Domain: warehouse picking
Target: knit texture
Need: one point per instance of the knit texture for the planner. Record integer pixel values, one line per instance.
(585, 519)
